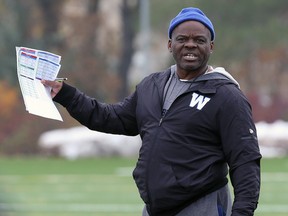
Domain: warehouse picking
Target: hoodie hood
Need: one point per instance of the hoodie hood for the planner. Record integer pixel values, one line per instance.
(215, 73)
(224, 73)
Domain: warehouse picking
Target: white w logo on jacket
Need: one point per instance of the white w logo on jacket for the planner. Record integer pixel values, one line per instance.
(198, 100)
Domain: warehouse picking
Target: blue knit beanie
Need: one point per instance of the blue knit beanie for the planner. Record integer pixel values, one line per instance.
(191, 13)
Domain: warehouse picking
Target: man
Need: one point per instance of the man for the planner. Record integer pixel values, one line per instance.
(194, 123)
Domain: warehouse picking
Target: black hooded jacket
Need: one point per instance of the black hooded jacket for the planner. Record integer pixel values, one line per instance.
(186, 153)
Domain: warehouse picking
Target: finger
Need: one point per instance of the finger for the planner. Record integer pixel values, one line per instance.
(47, 82)
(52, 84)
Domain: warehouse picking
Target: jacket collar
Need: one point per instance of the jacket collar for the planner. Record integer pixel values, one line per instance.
(217, 79)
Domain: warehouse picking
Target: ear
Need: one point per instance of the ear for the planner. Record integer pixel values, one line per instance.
(211, 46)
(169, 46)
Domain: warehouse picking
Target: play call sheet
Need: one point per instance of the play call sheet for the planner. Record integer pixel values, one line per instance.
(33, 66)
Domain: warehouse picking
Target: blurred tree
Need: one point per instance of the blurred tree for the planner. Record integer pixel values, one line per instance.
(50, 18)
(10, 112)
(8, 101)
(127, 50)
(85, 66)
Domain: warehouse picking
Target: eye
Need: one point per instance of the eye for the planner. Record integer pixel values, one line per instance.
(180, 39)
(201, 40)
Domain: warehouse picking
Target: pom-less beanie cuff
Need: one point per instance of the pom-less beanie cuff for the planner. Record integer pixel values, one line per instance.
(191, 13)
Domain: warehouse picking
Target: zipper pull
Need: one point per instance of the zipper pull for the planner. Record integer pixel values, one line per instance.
(162, 116)
(160, 122)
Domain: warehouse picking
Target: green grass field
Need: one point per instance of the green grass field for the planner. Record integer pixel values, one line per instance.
(102, 187)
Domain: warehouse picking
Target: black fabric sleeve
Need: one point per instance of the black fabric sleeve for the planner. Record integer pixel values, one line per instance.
(240, 146)
(118, 118)
(65, 95)
(246, 184)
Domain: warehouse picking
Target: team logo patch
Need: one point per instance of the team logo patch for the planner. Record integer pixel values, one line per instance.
(199, 101)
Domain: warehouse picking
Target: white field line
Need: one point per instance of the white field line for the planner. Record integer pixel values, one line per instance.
(124, 171)
(127, 172)
(266, 208)
(272, 208)
(274, 177)
(75, 207)
(265, 176)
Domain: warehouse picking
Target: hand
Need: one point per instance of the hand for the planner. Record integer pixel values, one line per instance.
(55, 86)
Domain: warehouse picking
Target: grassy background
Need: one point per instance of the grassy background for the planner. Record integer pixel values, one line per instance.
(102, 187)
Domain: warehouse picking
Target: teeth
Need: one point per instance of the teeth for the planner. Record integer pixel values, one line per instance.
(190, 56)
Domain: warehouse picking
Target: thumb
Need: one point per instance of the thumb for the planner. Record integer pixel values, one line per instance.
(54, 85)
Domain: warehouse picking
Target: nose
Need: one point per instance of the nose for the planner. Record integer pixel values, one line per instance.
(190, 43)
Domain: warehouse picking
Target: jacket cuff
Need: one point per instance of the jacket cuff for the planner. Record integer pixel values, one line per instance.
(242, 208)
(65, 95)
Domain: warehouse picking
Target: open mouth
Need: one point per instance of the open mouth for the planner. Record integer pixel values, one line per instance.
(190, 56)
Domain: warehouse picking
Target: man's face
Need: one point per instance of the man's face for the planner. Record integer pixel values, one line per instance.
(190, 46)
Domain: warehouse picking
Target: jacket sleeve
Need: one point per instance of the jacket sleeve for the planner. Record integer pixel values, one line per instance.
(116, 118)
(240, 146)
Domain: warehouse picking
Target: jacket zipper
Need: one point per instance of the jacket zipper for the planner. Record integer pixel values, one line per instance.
(160, 122)
(162, 117)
